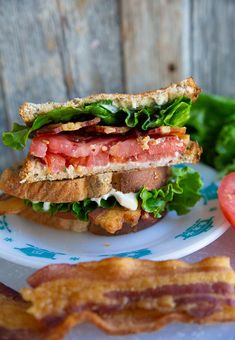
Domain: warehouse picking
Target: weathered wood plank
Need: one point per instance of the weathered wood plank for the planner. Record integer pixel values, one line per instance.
(91, 46)
(213, 45)
(152, 42)
(30, 62)
(6, 156)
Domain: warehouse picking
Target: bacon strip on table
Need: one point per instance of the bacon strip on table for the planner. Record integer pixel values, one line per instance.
(124, 295)
(15, 322)
(71, 126)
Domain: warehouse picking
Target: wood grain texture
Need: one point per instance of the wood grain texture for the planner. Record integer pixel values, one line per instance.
(91, 46)
(152, 32)
(213, 45)
(31, 68)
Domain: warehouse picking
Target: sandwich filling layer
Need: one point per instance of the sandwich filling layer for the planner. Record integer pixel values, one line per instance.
(59, 152)
(174, 113)
(180, 193)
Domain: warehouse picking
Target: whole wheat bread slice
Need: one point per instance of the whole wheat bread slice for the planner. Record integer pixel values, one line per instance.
(187, 88)
(55, 221)
(33, 170)
(82, 188)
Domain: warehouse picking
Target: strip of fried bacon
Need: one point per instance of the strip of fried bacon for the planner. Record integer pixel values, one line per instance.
(71, 126)
(11, 205)
(124, 295)
(15, 322)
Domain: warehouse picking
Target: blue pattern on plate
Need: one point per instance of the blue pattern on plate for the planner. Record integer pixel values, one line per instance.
(134, 253)
(38, 252)
(4, 224)
(74, 258)
(8, 239)
(200, 226)
(210, 192)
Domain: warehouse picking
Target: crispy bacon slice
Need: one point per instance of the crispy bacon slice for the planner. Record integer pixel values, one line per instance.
(119, 221)
(124, 295)
(15, 322)
(168, 131)
(71, 126)
(108, 129)
(11, 205)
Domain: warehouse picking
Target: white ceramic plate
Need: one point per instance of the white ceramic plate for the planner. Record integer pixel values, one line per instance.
(33, 245)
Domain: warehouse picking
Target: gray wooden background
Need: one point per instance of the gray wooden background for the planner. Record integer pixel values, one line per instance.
(59, 49)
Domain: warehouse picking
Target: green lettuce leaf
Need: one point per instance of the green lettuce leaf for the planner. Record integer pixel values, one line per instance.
(212, 124)
(79, 209)
(180, 194)
(225, 148)
(174, 113)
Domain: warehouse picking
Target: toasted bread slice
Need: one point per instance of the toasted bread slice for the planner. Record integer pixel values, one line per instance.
(82, 188)
(187, 88)
(33, 170)
(54, 221)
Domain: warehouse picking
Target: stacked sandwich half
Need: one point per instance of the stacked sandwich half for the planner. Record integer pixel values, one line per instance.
(105, 162)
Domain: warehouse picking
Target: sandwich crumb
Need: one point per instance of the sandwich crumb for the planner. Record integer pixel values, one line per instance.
(143, 141)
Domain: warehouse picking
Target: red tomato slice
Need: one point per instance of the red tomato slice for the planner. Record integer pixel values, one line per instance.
(101, 159)
(38, 147)
(55, 163)
(226, 194)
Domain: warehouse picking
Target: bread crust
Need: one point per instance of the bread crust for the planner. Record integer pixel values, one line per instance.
(187, 87)
(54, 221)
(33, 170)
(82, 188)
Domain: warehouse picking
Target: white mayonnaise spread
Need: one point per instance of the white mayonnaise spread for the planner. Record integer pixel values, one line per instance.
(128, 200)
(46, 206)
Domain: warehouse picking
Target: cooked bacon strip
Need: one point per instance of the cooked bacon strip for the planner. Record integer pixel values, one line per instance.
(123, 295)
(122, 268)
(119, 221)
(15, 322)
(113, 220)
(168, 131)
(11, 205)
(128, 322)
(71, 126)
(9, 293)
(108, 129)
